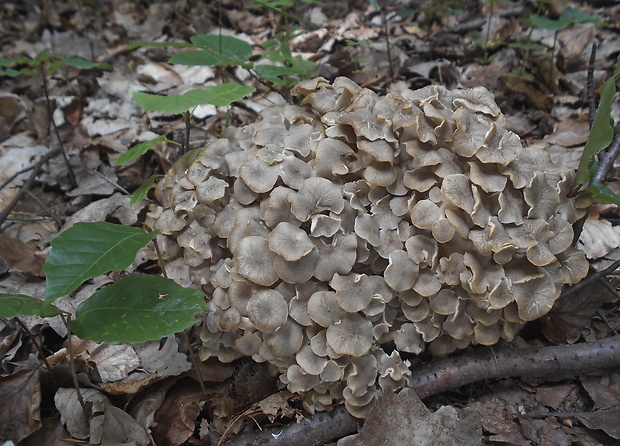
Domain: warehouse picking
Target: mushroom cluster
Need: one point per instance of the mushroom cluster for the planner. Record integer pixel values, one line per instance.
(335, 235)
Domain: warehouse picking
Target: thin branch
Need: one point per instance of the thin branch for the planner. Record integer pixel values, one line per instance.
(39, 349)
(50, 115)
(590, 84)
(387, 41)
(588, 281)
(44, 207)
(447, 374)
(607, 158)
(26, 186)
(76, 384)
(15, 175)
(506, 362)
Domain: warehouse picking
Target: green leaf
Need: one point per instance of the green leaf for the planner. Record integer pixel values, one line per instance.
(603, 194)
(602, 131)
(87, 250)
(138, 150)
(140, 193)
(217, 50)
(230, 47)
(146, 43)
(542, 22)
(273, 73)
(137, 309)
(221, 95)
(12, 305)
(83, 64)
(10, 73)
(578, 16)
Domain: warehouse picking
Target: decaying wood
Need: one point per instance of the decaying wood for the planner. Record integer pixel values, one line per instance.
(431, 379)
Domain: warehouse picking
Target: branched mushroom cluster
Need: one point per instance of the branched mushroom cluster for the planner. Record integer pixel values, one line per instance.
(333, 236)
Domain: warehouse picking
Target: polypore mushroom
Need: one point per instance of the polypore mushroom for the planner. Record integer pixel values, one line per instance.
(328, 233)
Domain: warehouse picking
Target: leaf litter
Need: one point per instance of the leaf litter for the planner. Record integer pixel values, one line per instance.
(99, 121)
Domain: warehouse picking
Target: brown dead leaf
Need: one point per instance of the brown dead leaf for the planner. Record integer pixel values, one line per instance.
(131, 384)
(598, 238)
(404, 420)
(175, 420)
(602, 396)
(52, 433)
(572, 312)
(20, 393)
(532, 95)
(554, 396)
(164, 361)
(20, 256)
(278, 405)
(108, 424)
(498, 418)
(605, 420)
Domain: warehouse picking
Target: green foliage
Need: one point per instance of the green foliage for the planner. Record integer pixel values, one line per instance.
(140, 193)
(87, 250)
(569, 16)
(51, 63)
(134, 309)
(215, 50)
(601, 134)
(137, 309)
(140, 149)
(222, 95)
(291, 69)
(12, 305)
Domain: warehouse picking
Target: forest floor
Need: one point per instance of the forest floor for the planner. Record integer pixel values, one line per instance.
(538, 72)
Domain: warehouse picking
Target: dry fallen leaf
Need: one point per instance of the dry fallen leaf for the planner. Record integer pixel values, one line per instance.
(108, 423)
(598, 238)
(21, 256)
(404, 420)
(20, 393)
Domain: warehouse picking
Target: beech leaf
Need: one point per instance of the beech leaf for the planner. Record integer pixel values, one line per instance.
(137, 309)
(87, 250)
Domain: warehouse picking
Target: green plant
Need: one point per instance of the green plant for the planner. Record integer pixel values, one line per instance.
(569, 16)
(600, 138)
(134, 309)
(45, 64)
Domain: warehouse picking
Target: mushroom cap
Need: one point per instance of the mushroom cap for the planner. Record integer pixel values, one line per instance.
(352, 335)
(255, 260)
(290, 241)
(267, 310)
(326, 232)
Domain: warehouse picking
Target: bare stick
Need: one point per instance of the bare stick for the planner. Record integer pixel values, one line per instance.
(447, 374)
(50, 115)
(456, 372)
(387, 40)
(44, 207)
(590, 85)
(317, 429)
(35, 171)
(39, 349)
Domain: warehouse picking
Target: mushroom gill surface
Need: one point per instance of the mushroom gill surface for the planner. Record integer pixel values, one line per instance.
(333, 237)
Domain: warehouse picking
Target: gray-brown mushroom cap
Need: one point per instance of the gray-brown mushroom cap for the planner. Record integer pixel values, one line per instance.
(290, 242)
(267, 310)
(255, 261)
(328, 233)
(352, 335)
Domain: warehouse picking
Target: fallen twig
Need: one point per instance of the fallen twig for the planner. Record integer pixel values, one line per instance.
(22, 190)
(447, 374)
